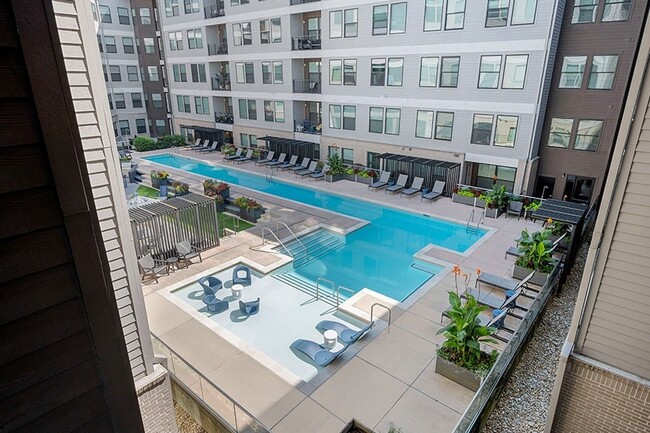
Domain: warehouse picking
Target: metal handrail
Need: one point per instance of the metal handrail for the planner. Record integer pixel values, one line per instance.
(462, 185)
(276, 238)
(244, 422)
(338, 293)
(318, 280)
(470, 220)
(480, 220)
(277, 229)
(372, 312)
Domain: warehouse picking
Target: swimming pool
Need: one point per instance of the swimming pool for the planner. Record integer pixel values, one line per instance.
(378, 256)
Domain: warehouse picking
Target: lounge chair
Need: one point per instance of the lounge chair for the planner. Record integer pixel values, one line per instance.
(319, 174)
(302, 166)
(235, 155)
(210, 148)
(415, 187)
(210, 285)
(193, 145)
(510, 300)
(250, 307)
(515, 208)
(279, 161)
(241, 275)
(308, 171)
(505, 283)
(152, 267)
(187, 251)
(317, 353)
(399, 185)
(292, 162)
(248, 157)
(438, 189)
(214, 304)
(382, 182)
(267, 160)
(205, 145)
(125, 154)
(346, 335)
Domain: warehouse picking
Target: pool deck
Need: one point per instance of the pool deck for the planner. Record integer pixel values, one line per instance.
(389, 376)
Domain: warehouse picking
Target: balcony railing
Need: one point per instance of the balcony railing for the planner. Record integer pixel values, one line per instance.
(214, 11)
(306, 86)
(299, 2)
(224, 118)
(307, 127)
(222, 83)
(218, 48)
(306, 42)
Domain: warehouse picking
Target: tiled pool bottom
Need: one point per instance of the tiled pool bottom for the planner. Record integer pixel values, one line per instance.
(286, 314)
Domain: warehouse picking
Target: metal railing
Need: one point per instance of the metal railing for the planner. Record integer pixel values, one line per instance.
(300, 2)
(306, 42)
(214, 11)
(372, 312)
(306, 86)
(218, 48)
(224, 118)
(338, 294)
(220, 84)
(266, 229)
(330, 282)
(307, 127)
(282, 223)
(214, 399)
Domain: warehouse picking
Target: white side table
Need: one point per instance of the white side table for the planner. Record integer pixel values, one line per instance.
(329, 338)
(237, 290)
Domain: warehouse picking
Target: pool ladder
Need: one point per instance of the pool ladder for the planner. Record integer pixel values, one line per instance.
(470, 228)
(270, 172)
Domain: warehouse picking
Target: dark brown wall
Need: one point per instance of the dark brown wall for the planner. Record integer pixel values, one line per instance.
(63, 363)
(590, 39)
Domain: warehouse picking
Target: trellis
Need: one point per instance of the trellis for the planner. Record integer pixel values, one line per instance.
(430, 169)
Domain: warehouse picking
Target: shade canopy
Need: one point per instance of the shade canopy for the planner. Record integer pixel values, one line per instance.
(431, 170)
(304, 149)
(561, 211)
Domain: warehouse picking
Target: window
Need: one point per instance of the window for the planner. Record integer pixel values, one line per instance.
(120, 102)
(482, 129)
(183, 103)
(127, 44)
(376, 120)
(279, 112)
(432, 15)
(123, 16)
(161, 126)
(602, 72)
(347, 155)
(392, 121)
(238, 2)
(239, 73)
(171, 8)
(236, 34)
(180, 73)
(616, 10)
(489, 71)
(276, 30)
(175, 41)
(156, 99)
(349, 117)
(560, 133)
(455, 15)
(245, 142)
(579, 188)
(336, 74)
(429, 72)
(265, 32)
(523, 12)
(506, 131)
(105, 14)
(351, 23)
(136, 100)
(153, 73)
(514, 73)
(198, 73)
(378, 72)
(267, 77)
(572, 70)
(380, 20)
(201, 105)
(245, 73)
(243, 109)
(93, 7)
(372, 160)
(584, 11)
(116, 75)
(278, 76)
(488, 173)
(105, 73)
(99, 42)
(132, 73)
(145, 16)
(588, 135)
(109, 42)
(124, 127)
(191, 6)
(398, 18)
(449, 72)
(141, 126)
(350, 72)
(194, 39)
(252, 109)
(444, 126)
(148, 46)
(395, 72)
(424, 124)
(247, 33)
(335, 116)
(247, 109)
(497, 13)
(336, 24)
(110, 101)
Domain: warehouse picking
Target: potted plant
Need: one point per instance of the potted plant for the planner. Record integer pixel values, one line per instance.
(536, 255)
(463, 196)
(220, 202)
(530, 207)
(558, 229)
(249, 209)
(180, 188)
(158, 178)
(228, 149)
(350, 174)
(336, 170)
(496, 201)
(213, 188)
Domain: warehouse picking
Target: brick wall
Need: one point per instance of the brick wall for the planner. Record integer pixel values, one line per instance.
(598, 401)
(156, 403)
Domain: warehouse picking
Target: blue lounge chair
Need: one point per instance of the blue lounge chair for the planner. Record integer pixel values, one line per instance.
(505, 283)
(214, 304)
(248, 157)
(382, 182)
(241, 275)
(308, 171)
(292, 163)
(236, 155)
(250, 307)
(279, 161)
(399, 185)
(438, 189)
(210, 285)
(415, 187)
(267, 160)
(303, 165)
(320, 174)
(316, 352)
(346, 335)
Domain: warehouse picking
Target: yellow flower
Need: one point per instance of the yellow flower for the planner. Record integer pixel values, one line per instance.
(549, 220)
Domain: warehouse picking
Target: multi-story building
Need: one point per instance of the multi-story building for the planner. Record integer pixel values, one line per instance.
(595, 56)
(450, 80)
(133, 65)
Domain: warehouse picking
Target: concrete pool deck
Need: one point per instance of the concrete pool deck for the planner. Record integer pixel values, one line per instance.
(390, 377)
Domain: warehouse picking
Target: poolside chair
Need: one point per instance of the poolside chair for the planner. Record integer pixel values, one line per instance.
(510, 301)
(346, 335)
(152, 267)
(303, 165)
(279, 161)
(210, 285)
(214, 304)
(399, 185)
(241, 275)
(515, 208)
(382, 182)
(205, 145)
(210, 148)
(308, 171)
(250, 307)
(187, 251)
(505, 283)
(415, 187)
(292, 162)
(319, 174)
(267, 160)
(248, 157)
(125, 154)
(436, 192)
(236, 155)
(317, 353)
(189, 146)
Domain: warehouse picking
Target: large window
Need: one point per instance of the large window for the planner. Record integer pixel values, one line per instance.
(377, 72)
(349, 117)
(523, 12)
(392, 121)
(236, 34)
(132, 73)
(444, 126)
(136, 100)
(109, 42)
(424, 124)
(514, 73)
(372, 160)
(123, 16)
(489, 72)
(350, 72)
(336, 72)
(488, 175)
(194, 39)
(149, 47)
(120, 102)
(127, 44)
(602, 72)
(506, 131)
(269, 114)
(198, 73)
(180, 73)
(398, 18)
(588, 135)
(616, 10)
(429, 71)
(432, 15)
(380, 20)
(247, 33)
(156, 100)
(105, 14)
(191, 6)
(124, 127)
(116, 75)
(395, 72)
(560, 132)
(584, 11)
(279, 112)
(141, 126)
(449, 72)
(201, 105)
(271, 31)
(175, 41)
(171, 8)
(482, 129)
(183, 103)
(336, 24)
(455, 15)
(267, 76)
(245, 73)
(376, 120)
(351, 23)
(278, 77)
(335, 116)
(248, 109)
(145, 17)
(497, 13)
(153, 73)
(573, 68)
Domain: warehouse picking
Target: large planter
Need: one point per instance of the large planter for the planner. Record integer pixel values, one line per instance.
(221, 207)
(458, 374)
(462, 199)
(492, 212)
(365, 180)
(480, 203)
(225, 193)
(355, 426)
(334, 177)
(250, 215)
(156, 182)
(351, 177)
(539, 279)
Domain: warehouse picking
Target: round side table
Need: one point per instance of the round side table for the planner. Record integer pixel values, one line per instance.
(171, 263)
(329, 338)
(237, 290)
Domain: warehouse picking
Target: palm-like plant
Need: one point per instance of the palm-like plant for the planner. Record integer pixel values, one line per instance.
(536, 250)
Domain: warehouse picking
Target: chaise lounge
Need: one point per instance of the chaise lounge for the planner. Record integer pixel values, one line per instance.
(292, 162)
(302, 166)
(267, 160)
(308, 171)
(416, 186)
(399, 185)
(438, 189)
(236, 155)
(382, 182)
(319, 174)
(317, 353)
(279, 161)
(346, 335)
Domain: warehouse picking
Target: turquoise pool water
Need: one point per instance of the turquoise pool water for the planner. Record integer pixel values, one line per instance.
(378, 256)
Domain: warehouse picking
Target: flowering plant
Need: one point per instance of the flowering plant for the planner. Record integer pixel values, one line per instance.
(158, 174)
(212, 188)
(247, 203)
(228, 149)
(180, 187)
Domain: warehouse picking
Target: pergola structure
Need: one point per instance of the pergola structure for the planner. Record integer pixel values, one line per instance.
(429, 169)
(304, 149)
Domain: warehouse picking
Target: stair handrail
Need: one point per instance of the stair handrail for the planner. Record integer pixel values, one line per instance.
(338, 293)
(318, 280)
(470, 220)
(372, 312)
(264, 230)
(277, 230)
(480, 219)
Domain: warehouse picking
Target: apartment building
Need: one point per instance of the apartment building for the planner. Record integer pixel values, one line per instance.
(595, 57)
(451, 80)
(133, 66)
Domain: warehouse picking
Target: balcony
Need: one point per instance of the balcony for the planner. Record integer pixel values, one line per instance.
(215, 10)
(222, 83)
(307, 86)
(224, 118)
(306, 42)
(300, 2)
(218, 48)
(307, 127)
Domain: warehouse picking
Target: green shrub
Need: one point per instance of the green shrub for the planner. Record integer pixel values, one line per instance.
(143, 144)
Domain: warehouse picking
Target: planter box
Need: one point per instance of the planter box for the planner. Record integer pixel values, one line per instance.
(480, 203)
(156, 182)
(334, 177)
(351, 177)
(492, 213)
(365, 180)
(463, 199)
(225, 193)
(220, 207)
(520, 273)
(355, 426)
(250, 215)
(458, 374)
